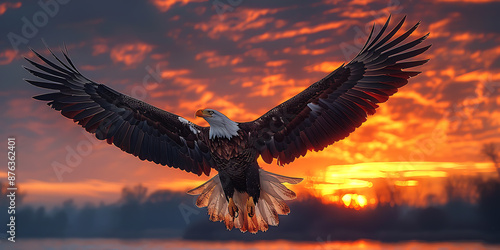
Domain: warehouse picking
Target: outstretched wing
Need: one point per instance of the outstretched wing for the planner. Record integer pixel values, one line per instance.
(332, 108)
(134, 126)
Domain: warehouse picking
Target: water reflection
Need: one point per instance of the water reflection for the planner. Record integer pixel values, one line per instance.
(267, 245)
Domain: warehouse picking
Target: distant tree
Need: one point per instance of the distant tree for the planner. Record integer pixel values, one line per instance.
(135, 194)
(461, 188)
(26, 226)
(130, 214)
(386, 192)
(492, 151)
(58, 223)
(431, 218)
(489, 204)
(86, 220)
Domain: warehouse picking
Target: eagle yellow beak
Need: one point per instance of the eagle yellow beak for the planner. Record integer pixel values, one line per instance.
(202, 113)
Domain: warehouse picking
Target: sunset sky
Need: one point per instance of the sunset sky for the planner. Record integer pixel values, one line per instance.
(184, 55)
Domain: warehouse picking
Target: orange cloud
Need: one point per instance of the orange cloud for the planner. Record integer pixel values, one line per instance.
(420, 99)
(205, 98)
(88, 187)
(165, 5)
(467, 36)
(277, 63)
(174, 73)
(237, 22)
(98, 49)
(304, 50)
(98, 189)
(53, 192)
(214, 60)
(92, 67)
(209, 99)
(5, 6)
(477, 76)
(326, 67)
(269, 84)
(259, 54)
(130, 54)
(440, 29)
(339, 26)
(7, 56)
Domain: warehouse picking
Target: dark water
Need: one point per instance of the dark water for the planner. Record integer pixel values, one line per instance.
(271, 245)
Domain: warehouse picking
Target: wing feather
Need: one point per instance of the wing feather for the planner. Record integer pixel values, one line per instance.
(332, 108)
(134, 126)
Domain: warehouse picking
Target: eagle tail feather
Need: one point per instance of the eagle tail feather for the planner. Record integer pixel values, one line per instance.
(271, 203)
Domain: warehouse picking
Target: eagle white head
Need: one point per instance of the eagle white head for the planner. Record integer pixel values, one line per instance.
(220, 125)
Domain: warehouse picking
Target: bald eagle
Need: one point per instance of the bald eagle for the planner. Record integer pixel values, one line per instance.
(242, 194)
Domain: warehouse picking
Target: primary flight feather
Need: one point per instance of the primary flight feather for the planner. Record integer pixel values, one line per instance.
(242, 194)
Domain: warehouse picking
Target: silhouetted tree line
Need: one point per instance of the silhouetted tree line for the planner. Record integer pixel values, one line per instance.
(166, 214)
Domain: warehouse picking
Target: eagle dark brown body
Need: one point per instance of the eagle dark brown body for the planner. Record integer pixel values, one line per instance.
(237, 165)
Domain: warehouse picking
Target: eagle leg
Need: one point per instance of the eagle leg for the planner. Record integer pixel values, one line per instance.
(250, 207)
(232, 208)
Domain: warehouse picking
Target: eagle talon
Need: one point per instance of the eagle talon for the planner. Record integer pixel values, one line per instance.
(232, 208)
(250, 207)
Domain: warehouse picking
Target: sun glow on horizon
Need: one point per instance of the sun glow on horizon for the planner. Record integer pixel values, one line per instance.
(356, 201)
(360, 185)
